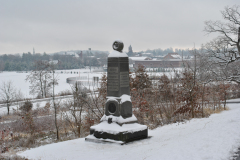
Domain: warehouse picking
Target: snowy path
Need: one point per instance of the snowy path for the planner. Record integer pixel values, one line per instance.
(213, 138)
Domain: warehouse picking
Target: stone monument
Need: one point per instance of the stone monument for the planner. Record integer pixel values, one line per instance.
(118, 124)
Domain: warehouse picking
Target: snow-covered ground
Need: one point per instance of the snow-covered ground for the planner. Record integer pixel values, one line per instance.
(39, 104)
(213, 138)
(20, 83)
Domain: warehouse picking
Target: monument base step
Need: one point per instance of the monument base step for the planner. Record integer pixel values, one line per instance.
(116, 133)
(91, 138)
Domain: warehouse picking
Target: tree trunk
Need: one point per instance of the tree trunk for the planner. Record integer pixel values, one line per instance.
(192, 109)
(79, 131)
(45, 87)
(41, 87)
(225, 99)
(55, 108)
(203, 99)
(8, 107)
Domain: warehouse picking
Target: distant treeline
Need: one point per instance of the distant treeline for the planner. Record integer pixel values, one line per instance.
(25, 62)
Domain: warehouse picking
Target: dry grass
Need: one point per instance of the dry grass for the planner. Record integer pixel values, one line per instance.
(11, 156)
(210, 109)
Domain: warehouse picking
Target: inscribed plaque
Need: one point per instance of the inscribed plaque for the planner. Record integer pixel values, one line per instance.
(124, 79)
(113, 80)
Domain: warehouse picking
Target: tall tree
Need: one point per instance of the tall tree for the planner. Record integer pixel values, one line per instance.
(52, 83)
(7, 93)
(188, 93)
(225, 49)
(40, 79)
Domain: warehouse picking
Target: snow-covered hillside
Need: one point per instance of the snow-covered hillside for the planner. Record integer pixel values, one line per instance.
(213, 138)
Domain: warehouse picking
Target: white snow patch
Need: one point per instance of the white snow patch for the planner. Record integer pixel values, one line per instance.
(18, 79)
(176, 56)
(108, 140)
(117, 54)
(114, 128)
(111, 98)
(138, 58)
(119, 119)
(123, 98)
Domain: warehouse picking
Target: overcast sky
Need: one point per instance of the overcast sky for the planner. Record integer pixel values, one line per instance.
(57, 25)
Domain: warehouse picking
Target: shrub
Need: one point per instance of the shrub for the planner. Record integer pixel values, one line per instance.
(26, 107)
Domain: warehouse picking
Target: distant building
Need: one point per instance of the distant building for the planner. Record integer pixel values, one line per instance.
(158, 57)
(171, 60)
(171, 63)
(130, 51)
(133, 59)
(172, 56)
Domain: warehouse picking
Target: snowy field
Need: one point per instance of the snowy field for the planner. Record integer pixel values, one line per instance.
(213, 138)
(19, 82)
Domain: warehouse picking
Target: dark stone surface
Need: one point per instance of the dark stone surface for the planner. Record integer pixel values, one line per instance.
(112, 108)
(124, 75)
(118, 46)
(238, 157)
(121, 136)
(118, 76)
(109, 120)
(126, 109)
(107, 108)
(117, 85)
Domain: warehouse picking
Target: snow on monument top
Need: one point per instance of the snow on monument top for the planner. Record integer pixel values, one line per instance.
(117, 54)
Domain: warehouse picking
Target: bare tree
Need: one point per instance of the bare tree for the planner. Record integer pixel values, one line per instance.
(76, 108)
(84, 109)
(204, 75)
(52, 83)
(40, 79)
(18, 97)
(7, 93)
(194, 79)
(225, 49)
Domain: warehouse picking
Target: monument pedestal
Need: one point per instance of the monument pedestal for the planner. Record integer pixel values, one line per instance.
(116, 133)
(118, 124)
